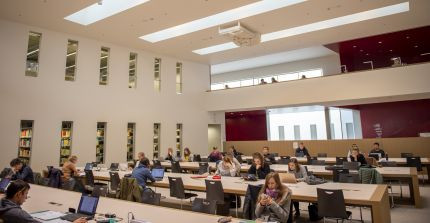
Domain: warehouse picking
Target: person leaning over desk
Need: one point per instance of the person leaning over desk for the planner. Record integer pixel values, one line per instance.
(259, 168)
(10, 206)
(21, 171)
(300, 173)
(226, 167)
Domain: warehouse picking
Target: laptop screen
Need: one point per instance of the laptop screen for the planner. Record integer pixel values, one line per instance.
(3, 184)
(114, 165)
(88, 205)
(88, 166)
(158, 173)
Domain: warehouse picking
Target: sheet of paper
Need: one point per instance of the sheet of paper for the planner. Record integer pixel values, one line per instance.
(47, 215)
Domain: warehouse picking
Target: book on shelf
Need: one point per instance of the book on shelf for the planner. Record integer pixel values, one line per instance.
(65, 133)
(26, 132)
(24, 143)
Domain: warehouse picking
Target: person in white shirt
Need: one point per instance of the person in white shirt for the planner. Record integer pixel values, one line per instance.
(226, 167)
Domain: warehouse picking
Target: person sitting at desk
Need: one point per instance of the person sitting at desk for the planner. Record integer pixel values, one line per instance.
(274, 200)
(140, 156)
(142, 173)
(302, 151)
(215, 155)
(376, 149)
(10, 206)
(259, 168)
(69, 168)
(188, 157)
(300, 174)
(169, 154)
(268, 157)
(130, 166)
(233, 151)
(226, 167)
(21, 171)
(356, 156)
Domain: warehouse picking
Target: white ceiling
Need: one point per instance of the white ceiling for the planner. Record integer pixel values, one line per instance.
(271, 59)
(125, 28)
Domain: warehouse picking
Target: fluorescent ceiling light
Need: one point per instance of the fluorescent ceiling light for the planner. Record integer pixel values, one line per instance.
(107, 8)
(216, 48)
(339, 21)
(220, 18)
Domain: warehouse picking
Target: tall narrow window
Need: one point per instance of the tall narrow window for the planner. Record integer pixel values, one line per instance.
(281, 132)
(130, 141)
(101, 139)
(314, 132)
(132, 75)
(72, 51)
(157, 133)
(157, 74)
(296, 132)
(33, 49)
(178, 78)
(104, 66)
(66, 141)
(178, 139)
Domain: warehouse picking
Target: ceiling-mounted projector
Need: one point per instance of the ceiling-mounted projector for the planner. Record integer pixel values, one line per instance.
(239, 34)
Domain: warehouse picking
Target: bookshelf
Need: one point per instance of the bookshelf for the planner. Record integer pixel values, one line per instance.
(156, 140)
(25, 141)
(130, 141)
(179, 139)
(66, 141)
(101, 138)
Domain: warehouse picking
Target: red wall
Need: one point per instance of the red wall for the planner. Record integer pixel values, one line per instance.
(397, 119)
(246, 126)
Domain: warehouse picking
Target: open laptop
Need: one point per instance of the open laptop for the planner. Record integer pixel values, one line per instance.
(88, 166)
(158, 174)
(87, 208)
(377, 156)
(114, 167)
(288, 178)
(4, 183)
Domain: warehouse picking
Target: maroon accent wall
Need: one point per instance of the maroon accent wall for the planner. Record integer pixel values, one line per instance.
(246, 126)
(397, 119)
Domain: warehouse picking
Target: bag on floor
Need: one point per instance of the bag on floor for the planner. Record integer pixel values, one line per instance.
(313, 212)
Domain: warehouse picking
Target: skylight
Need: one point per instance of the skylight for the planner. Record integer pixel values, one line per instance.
(326, 24)
(101, 10)
(339, 21)
(220, 18)
(216, 48)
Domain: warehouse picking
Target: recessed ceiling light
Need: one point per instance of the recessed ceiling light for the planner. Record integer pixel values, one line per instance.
(339, 21)
(220, 18)
(416, 46)
(354, 46)
(380, 42)
(216, 48)
(391, 50)
(97, 12)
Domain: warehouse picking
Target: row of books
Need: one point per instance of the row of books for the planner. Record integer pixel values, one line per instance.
(24, 142)
(65, 142)
(24, 153)
(65, 133)
(26, 133)
(65, 152)
(100, 132)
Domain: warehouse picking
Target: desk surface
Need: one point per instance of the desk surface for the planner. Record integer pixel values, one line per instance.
(332, 160)
(41, 196)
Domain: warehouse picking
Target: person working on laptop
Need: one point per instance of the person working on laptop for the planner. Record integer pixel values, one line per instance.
(302, 151)
(268, 157)
(142, 173)
(140, 156)
(215, 155)
(10, 206)
(21, 171)
(356, 156)
(274, 200)
(69, 168)
(376, 149)
(259, 167)
(300, 173)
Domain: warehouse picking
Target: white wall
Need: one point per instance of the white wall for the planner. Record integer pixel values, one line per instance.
(214, 136)
(49, 100)
(329, 64)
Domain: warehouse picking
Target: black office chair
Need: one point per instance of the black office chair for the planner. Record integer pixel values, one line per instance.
(351, 165)
(331, 204)
(205, 159)
(283, 161)
(318, 162)
(197, 158)
(89, 181)
(239, 159)
(204, 206)
(203, 168)
(156, 164)
(114, 182)
(337, 172)
(311, 159)
(340, 160)
(349, 178)
(177, 189)
(406, 155)
(176, 167)
(99, 191)
(322, 155)
(215, 192)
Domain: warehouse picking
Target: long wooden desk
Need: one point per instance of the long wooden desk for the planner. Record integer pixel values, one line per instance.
(373, 196)
(40, 198)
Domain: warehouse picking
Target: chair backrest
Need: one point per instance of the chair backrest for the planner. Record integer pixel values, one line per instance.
(389, 164)
(176, 167)
(322, 155)
(99, 190)
(150, 197)
(239, 159)
(156, 164)
(337, 172)
(414, 162)
(283, 161)
(54, 178)
(197, 158)
(318, 162)
(249, 161)
(331, 203)
(89, 178)
(311, 159)
(349, 178)
(340, 160)
(214, 191)
(204, 206)
(203, 167)
(114, 180)
(176, 186)
(405, 155)
(351, 165)
(205, 159)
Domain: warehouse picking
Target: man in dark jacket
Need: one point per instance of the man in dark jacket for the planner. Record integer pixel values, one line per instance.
(10, 206)
(302, 151)
(21, 171)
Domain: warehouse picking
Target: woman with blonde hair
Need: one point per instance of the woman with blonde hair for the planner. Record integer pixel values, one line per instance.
(274, 200)
(69, 168)
(226, 167)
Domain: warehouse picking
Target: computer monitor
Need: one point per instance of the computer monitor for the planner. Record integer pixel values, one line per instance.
(114, 166)
(4, 183)
(157, 173)
(88, 205)
(377, 156)
(88, 166)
